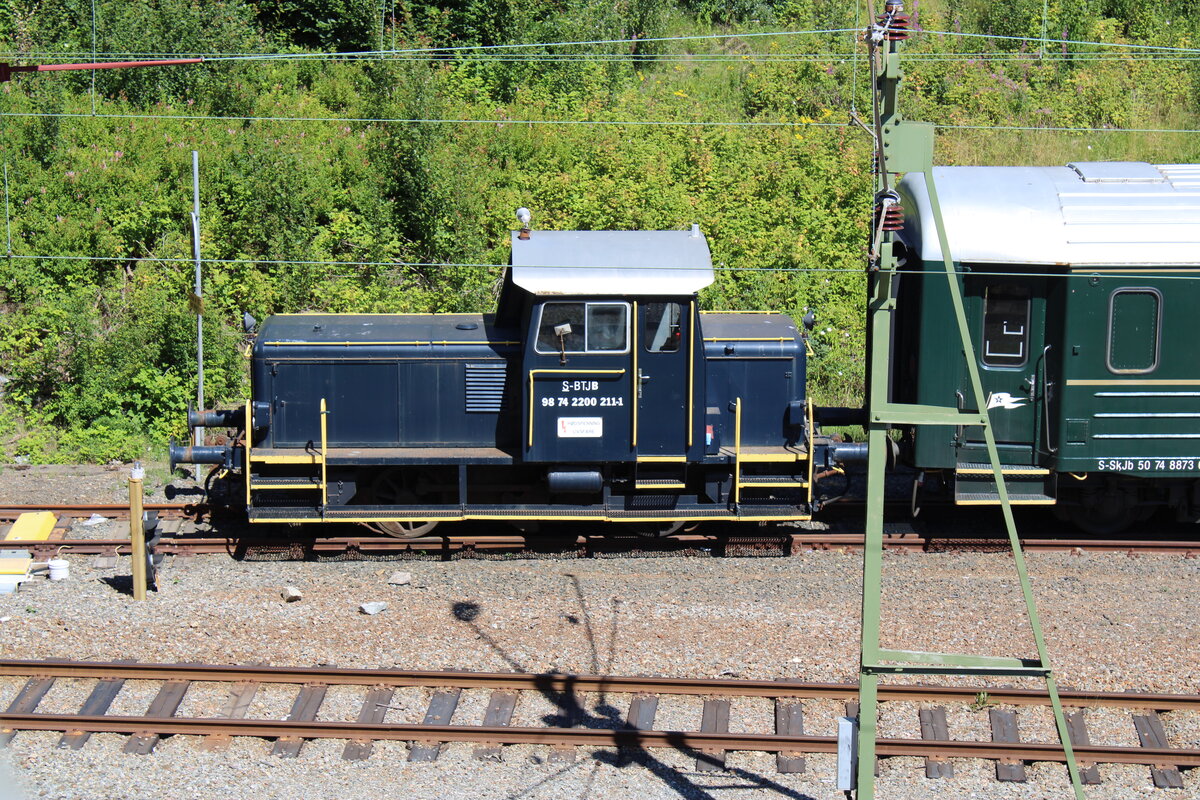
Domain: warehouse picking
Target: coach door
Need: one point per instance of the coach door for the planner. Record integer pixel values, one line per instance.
(1007, 317)
(664, 349)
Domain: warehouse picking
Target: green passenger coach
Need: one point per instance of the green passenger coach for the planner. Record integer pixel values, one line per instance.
(1082, 284)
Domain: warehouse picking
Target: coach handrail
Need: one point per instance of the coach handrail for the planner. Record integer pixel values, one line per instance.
(1046, 398)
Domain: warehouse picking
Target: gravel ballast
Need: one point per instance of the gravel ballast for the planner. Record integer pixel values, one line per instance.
(1112, 622)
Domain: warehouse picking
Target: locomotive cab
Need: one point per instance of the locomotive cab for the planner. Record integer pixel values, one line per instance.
(610, 372)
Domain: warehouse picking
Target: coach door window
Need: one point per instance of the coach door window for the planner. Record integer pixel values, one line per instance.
(1005, 326)
(583, 328)
(1134, 322)
(662, 332)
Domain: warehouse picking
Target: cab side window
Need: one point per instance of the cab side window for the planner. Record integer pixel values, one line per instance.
(663, 332)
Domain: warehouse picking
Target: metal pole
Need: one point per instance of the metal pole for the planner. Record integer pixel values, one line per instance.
(93, 57)
(199, 433)
(137, 532)
(7, 219)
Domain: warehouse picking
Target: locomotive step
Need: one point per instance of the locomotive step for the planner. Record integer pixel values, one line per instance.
(772, 482)
(659, 483)
(993, 499)
(291, 482)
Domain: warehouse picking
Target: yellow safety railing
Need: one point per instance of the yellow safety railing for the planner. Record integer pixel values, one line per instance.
(737, 451)
(749, 339)
(249, 438)
(413, 343)
(811, 434)
(324, 452)
(637, 379)
(692, 328)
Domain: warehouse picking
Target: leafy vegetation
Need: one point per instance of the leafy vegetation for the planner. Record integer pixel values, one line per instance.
(387, 182)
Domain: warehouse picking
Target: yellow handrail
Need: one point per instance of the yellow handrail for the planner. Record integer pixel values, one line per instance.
(533, 373)
(811, 434)
(637, 378)
(324, 451)
(692, 328)
(737, 451)
(749, 339)
(249, 437)
(413, 343)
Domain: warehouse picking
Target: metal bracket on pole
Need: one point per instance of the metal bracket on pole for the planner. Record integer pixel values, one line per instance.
(903, 146)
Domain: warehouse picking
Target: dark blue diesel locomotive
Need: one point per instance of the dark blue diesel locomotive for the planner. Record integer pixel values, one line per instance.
(597, 391)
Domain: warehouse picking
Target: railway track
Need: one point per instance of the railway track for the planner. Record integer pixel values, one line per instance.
(579, 720)
(177, 533)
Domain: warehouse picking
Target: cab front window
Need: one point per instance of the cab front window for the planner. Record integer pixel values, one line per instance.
(583, 328)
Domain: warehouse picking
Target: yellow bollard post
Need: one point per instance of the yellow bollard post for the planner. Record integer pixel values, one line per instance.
(137, 533)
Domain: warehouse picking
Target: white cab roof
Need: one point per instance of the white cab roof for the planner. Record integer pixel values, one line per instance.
(612, 262)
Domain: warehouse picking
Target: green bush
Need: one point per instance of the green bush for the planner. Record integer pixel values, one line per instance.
(96, 337)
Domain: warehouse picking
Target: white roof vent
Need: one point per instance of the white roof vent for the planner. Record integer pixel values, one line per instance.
(1117, 172)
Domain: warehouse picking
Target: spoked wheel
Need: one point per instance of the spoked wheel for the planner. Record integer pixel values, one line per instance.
(392, 489)
(654, 530)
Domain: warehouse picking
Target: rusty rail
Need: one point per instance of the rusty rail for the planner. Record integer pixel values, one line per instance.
(22, 713)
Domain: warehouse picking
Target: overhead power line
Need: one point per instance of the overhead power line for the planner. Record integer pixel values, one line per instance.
(700, 58)
(580, 122)
(482, 50)
(432, 121)
(1039, 40)
(1083, 272)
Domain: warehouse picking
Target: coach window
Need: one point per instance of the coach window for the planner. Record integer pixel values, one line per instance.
(1134, 325)
(663, 331)
(583, 328)
(1005, 326)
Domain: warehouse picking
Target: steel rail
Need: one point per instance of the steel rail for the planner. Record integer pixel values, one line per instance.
(21, 508)
(788, 540)
(563, 682)
(623, 737)
(186, 543)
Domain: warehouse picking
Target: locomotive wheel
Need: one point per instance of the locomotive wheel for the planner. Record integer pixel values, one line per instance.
(407, 528)
(391, 489)
(654, 530)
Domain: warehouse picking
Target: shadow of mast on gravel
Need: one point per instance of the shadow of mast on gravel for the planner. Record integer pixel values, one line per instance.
(559, 689)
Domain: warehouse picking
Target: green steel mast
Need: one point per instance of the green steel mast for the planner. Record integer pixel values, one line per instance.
(907, 147)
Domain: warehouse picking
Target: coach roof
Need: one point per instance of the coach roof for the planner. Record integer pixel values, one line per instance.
(1116, 213)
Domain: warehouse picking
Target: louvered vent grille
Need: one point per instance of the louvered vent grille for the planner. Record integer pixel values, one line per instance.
(485, 387)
